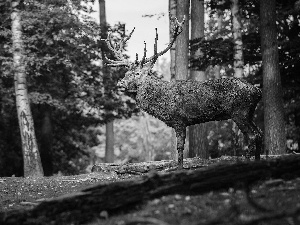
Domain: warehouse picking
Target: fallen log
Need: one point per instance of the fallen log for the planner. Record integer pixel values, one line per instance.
(145, 167)
(86, 205)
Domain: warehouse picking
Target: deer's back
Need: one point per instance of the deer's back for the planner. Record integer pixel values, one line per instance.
(198, 102)
(192, 102)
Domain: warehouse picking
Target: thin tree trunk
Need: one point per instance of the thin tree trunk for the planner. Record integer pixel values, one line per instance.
(109, 142)
(217, 68)
(182, 42)
(46, 141)
(31, 156)
(274, 135)
(146, 137)
(182, 45)
(172, 10)
(198, 143)
(237, 39)
(238, 64)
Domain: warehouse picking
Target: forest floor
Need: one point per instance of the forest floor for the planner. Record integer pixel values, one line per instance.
(267, 202)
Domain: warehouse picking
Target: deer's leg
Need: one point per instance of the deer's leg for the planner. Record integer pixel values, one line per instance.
(180, 135)
(258, 141)
(252, 135)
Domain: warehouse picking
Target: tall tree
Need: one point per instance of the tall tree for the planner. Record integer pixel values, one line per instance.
(31, 156)
(182, 45)
(274, 133)
(198, 143)
(46, 140)
(109, 141)
(238, 62)
(172, 10)
(217, 68)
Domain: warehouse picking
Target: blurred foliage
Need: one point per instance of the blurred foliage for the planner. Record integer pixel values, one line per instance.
(62, 48)
(139, 138)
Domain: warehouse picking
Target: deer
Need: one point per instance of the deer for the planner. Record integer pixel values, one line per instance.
(182, 103)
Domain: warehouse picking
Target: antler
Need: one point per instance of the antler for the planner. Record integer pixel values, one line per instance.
(176, 30)
(117, 50)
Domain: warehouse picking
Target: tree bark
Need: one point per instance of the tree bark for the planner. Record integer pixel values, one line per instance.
(173, 10)
(238, 63)
(31, 156)
(182, 42)
(182, 47)
(274, 133)
(85, 206)
(198, 142)
(217, 68)
(109, 141)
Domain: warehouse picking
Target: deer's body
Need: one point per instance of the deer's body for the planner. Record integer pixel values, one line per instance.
(183, 103)
(192, 102)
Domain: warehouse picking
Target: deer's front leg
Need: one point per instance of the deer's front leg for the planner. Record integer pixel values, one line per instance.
(180, 135)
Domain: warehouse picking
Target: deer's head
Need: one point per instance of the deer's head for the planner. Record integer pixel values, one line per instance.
(139, 69)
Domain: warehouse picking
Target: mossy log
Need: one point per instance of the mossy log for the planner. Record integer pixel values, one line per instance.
(86, 205)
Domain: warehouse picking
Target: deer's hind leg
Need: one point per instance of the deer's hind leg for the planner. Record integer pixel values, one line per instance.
(180, 136)
(252, 134)
(258, 141)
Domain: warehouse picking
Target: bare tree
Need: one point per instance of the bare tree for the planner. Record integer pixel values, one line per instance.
(198, 143)
(31, 155)
(109, 141)
(274, 135)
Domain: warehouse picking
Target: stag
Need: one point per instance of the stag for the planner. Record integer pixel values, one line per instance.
(182, 103)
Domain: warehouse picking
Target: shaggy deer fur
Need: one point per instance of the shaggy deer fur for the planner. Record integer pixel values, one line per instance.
(182, 103)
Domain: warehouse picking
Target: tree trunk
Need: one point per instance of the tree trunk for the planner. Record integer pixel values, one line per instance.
(237, 39)
(31, 156)
(46, 141)
(182, 44)
(217, 68)
(172, 10)
(148, 149)
(274, 135)
(198, 142)
(238, 64)
(109, 142)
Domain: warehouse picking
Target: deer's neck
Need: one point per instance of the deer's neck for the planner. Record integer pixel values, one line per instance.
(153, 97)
